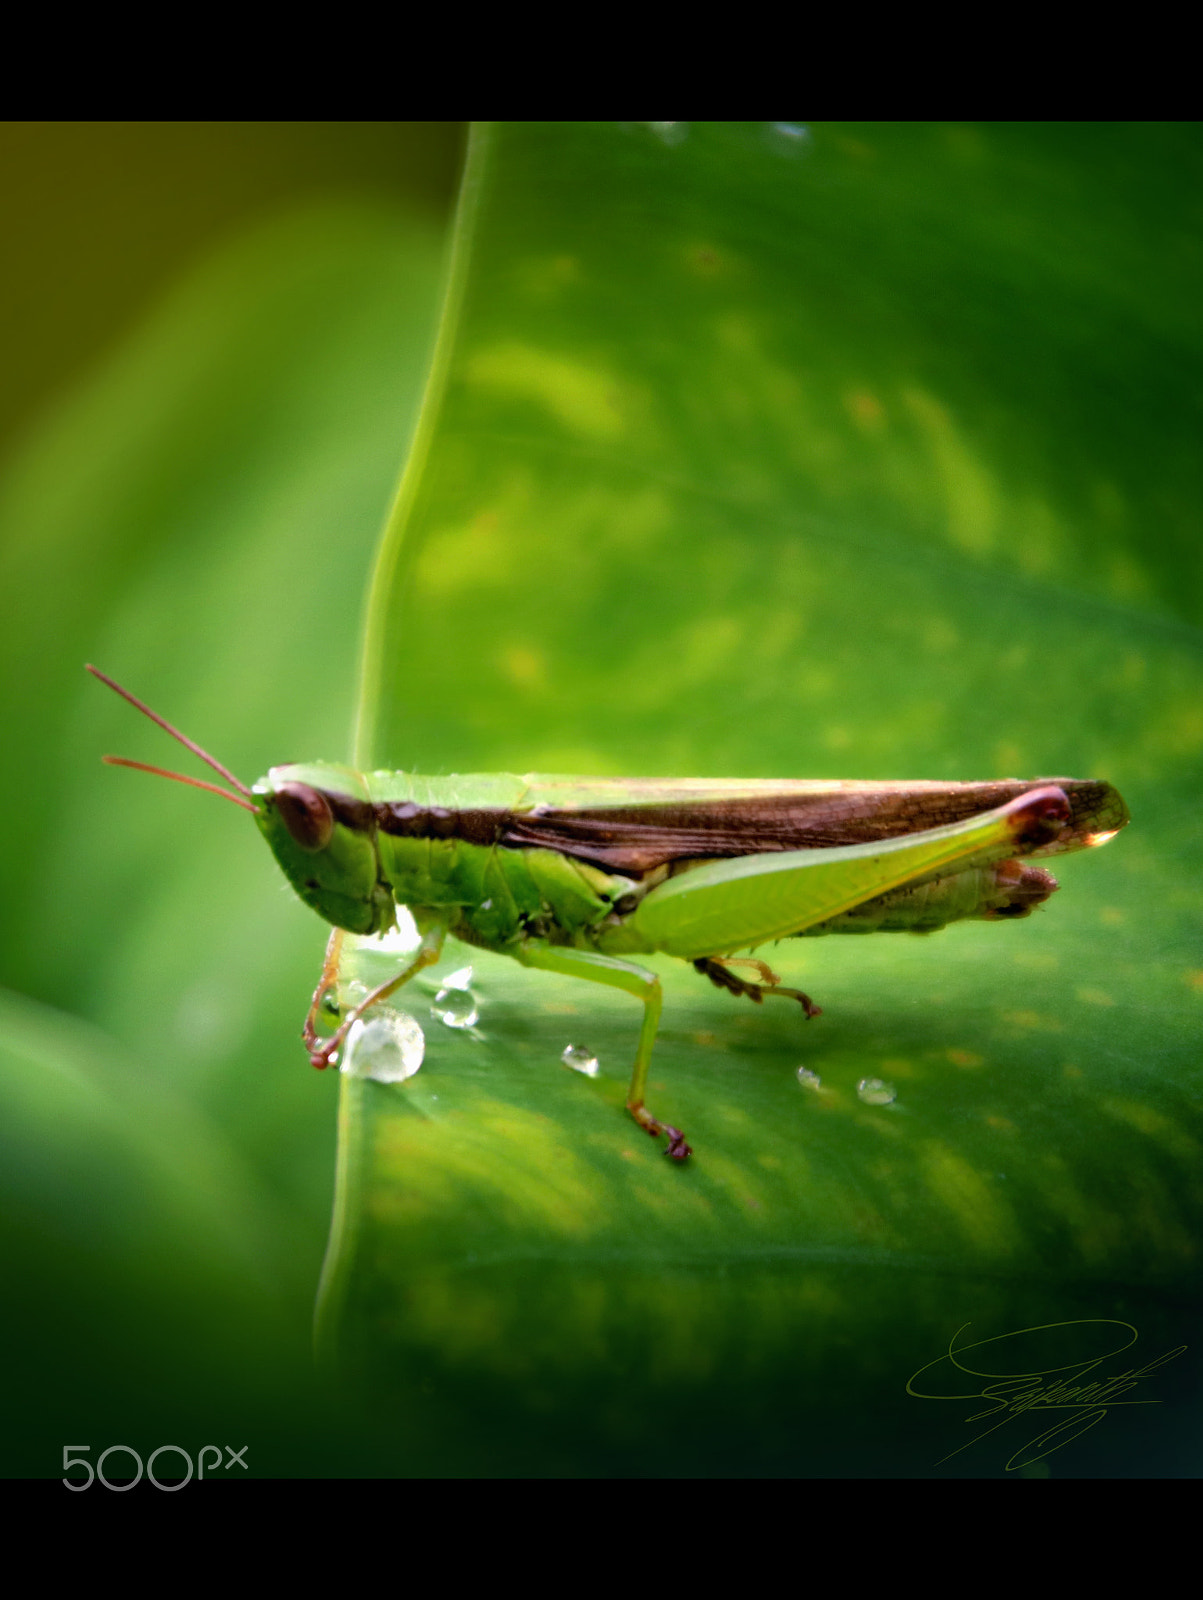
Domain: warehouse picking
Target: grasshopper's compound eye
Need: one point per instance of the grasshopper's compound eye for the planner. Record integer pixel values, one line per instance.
(307, 815)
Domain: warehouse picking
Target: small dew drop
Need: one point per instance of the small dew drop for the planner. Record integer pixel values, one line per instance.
(386, 1046)
(789, 136)
(581, 1060)
(456, 1007)
(876, 1092)
(807, 1078)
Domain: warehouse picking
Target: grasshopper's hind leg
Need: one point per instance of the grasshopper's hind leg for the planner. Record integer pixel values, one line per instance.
(719, 973)
(644, 986)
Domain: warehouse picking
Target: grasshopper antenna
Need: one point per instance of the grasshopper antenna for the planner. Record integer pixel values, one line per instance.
(189, 744)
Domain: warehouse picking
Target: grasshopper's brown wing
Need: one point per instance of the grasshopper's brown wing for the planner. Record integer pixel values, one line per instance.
(656, 823)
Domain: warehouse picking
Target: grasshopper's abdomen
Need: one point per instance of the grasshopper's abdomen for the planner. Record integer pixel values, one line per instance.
(1006, 890)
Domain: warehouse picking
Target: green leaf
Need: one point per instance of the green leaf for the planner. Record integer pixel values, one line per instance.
(758, 450)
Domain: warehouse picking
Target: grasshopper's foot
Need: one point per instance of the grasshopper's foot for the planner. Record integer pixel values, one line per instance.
(320, 1050)
(676, 1147)
(721, 975)
(323, 1051)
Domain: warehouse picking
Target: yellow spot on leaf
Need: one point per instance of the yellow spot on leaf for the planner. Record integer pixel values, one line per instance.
(706, 261)
(1095, 997)
(582, 399)
(939, 636)
(1155, 1125)
(898, 1067)
(1024, 1019)
(865, 409)
(970, 496)
(544, 275)
(971, 1202)
(471, 556)
(964, 1058)
(518, 1164)
(524, 667)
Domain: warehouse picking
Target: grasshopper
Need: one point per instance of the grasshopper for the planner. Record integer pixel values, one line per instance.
(576, 875)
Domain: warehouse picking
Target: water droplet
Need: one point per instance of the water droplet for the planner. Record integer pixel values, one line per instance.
(386, 1045)
(486, 905)
(456, 1007)
(807, 1078)
(581, 1060)
(789, 138)
(876, 1092)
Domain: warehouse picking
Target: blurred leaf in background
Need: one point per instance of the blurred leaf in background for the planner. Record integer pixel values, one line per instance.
(196, 511)
(762, 449)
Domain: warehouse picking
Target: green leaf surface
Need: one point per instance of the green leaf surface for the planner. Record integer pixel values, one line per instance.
(757, 450)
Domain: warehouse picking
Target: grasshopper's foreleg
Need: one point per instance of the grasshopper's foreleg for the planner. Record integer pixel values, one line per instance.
(644, 986)
(323, 1051)
(327, 981)
(719, 973)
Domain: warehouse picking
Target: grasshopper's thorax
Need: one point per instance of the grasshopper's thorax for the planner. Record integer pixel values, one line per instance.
(501, 896)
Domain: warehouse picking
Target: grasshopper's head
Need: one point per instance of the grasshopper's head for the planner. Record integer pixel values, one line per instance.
(318, 820)
(321, 827)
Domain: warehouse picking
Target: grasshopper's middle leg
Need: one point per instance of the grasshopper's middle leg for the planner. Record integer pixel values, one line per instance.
(644, 986)
(719, 972)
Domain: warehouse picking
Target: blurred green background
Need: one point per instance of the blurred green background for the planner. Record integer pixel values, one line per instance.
(216, 337)
(764, 449)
